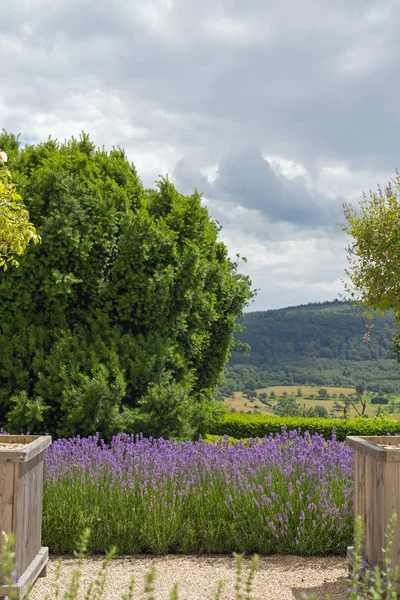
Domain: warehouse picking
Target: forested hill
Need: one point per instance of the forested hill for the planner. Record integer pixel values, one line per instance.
(316, 343)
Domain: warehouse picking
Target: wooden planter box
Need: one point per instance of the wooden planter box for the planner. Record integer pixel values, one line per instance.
(21, 489)
(376, 494)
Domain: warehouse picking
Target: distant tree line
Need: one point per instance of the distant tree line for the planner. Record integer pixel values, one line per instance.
(315, 344)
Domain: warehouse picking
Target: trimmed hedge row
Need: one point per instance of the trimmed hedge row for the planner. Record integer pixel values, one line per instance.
(250, 426)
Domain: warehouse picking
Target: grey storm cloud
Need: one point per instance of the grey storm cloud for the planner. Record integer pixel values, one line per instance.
(248, 179)
(188, 87)
(312, 77)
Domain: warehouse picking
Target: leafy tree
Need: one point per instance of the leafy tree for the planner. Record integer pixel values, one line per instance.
(360, 388)
(250, 393)
(321, 411)
(379, 400)
(287, 407)
(350, 402)
(123, 317)
(374, 253)
(16, 231)
(359, 398)
(167, 410)
(392, 406)
(308, 412)
(340, 408)
(250, 383)
(323, 394)
(263, 396)
(299, 392)
(383, 411)
(229, 386)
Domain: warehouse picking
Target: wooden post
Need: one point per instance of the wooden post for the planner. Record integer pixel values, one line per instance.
(377, 495)
(21, 489)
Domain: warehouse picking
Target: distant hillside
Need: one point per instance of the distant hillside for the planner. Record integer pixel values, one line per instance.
(318, 344)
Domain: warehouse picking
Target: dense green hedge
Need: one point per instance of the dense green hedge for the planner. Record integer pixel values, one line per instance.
(122, 319)
(249, 426)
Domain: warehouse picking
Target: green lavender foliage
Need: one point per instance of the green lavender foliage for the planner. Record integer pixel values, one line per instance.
(126, 310)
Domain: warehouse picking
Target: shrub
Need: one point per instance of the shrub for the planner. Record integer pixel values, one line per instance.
(321, 411)
(26, 413)
(129, 288)
(379, 400)
(287, 407)
(251, 426)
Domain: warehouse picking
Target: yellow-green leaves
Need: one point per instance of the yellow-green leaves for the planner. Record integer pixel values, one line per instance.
(374, 249)
(16, 231)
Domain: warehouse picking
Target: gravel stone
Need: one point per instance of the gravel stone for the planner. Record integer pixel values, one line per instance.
(5, 446)
(277, 578)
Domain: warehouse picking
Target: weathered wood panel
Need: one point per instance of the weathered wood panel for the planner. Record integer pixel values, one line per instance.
(35, 570)
(369, 445)
(6, 496)
(28, 511)
(21, 491)
(377, 495)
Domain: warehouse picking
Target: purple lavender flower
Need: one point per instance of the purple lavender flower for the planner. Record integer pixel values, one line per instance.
(284, 493)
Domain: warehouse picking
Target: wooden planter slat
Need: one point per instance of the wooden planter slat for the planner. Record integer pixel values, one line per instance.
(377, 494)
(6, 496)
(21, 492)
(34, 445)
(36, 569)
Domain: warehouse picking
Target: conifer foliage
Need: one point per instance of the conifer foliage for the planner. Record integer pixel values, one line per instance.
(123, 317)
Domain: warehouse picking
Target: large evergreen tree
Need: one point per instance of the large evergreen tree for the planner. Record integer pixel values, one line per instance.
(123, 317)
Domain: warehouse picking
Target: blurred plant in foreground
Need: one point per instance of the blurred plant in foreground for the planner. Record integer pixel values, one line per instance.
(363, 585)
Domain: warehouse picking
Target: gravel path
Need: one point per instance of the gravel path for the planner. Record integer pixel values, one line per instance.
(278, 577)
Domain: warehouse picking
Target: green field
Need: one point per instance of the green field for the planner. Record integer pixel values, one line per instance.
(240, 402)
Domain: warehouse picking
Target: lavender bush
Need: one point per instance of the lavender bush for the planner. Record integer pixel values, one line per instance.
(286, 494)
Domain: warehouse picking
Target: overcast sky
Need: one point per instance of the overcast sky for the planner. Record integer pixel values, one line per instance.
(276, 111)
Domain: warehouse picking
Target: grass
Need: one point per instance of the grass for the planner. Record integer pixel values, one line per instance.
(240, 402)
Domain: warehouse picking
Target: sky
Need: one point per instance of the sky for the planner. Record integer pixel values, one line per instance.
(278, 112)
